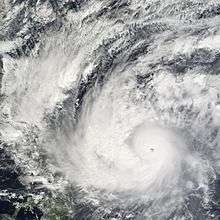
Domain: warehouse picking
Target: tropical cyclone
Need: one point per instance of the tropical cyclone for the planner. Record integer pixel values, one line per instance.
(115, 104)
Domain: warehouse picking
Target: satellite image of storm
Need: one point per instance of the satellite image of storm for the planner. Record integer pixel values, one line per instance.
(109, 109)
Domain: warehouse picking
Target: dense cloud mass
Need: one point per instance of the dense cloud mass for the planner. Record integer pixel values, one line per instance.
(109, 110)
